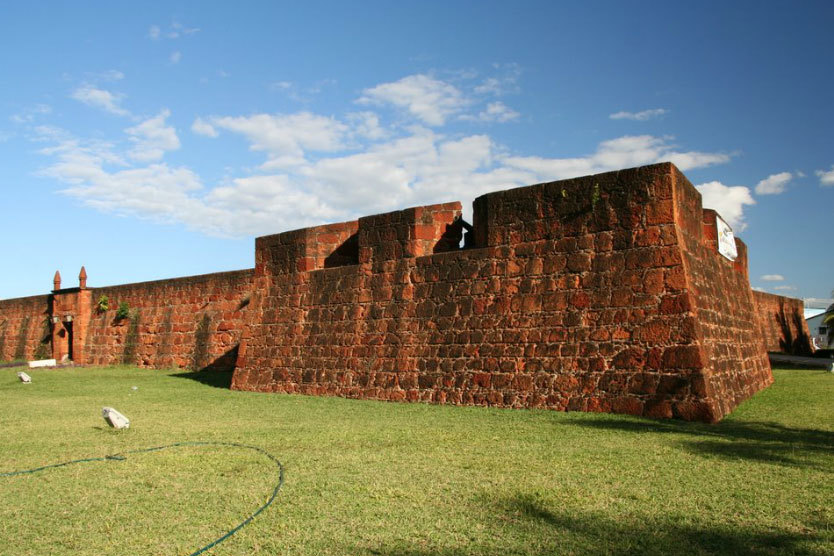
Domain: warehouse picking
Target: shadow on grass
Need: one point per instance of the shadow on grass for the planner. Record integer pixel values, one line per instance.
(532, 528)
(11, 364)
(756, 441)
(216, 379)
(632, 536)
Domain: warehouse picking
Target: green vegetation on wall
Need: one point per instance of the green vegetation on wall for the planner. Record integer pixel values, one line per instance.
(132, 339)
(44, 349)
(123, 311)
(2, 339)
(20, 348)
(201, 340)
(163, 353)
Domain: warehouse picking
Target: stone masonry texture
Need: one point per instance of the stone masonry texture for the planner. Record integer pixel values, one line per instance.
(782, 324)
(602, 293)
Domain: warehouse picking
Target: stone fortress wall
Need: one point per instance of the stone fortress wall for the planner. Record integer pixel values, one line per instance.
(601, 293)
(782, 325)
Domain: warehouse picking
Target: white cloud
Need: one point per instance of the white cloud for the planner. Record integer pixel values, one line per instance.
(114, 75)
(100, 98)
(178, 29)
(728, 201)
(693, 159)
(494, 112)
(490, 86)
(504, 83)
(175, 57)
(785, 288)
(774, 184)
(174, 31)
(639, 116)
(773, 278)
(826, 177)
(202, 127)
(29, 114)
(291, 191)
(297, 93)
(152, 138)
(78, 161)
(157, 191)
(366, 125)
(758, 289)
(319, 168)
(286, 137)
(613, 154)
(428, 99)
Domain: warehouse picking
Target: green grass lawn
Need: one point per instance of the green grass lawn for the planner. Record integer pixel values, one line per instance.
(367, 477)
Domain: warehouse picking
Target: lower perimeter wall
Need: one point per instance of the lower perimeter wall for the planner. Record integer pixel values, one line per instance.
(782, 324)
(602, 293)
(191, 323)
(24, 328)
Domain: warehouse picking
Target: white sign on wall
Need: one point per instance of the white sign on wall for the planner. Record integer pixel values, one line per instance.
(726, 240)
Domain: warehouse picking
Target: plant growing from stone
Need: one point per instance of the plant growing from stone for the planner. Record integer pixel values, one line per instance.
(123, 311)
(103, 304)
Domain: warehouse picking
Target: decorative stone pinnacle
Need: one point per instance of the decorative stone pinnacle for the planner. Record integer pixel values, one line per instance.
(82, 278)
(56, 282)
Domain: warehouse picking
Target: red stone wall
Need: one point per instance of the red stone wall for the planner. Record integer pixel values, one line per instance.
(191, 323)
(24, 328)
(584, 294)
(781, 324)
(601, 293)
(731, 363)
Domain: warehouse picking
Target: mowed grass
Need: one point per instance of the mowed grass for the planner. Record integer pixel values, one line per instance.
(366, 477)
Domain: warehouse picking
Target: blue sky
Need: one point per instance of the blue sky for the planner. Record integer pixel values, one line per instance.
(155, 140)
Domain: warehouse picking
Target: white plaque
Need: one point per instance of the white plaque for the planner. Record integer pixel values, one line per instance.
(42, 363)
(726, 240)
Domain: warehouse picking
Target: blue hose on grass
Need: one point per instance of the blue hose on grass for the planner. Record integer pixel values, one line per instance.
(122, 457)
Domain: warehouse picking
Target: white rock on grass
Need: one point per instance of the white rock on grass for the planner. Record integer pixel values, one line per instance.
(114, 418)
(24, 378)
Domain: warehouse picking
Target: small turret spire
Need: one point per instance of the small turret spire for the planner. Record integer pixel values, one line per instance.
(56, 282)
(82, 278)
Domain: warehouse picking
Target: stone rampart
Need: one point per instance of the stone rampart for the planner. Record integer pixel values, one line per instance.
(602, 293)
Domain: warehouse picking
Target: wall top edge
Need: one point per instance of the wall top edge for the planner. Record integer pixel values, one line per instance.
(194, 278)
(660, 167)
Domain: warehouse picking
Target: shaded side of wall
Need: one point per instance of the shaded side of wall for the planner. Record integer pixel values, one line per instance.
(578, 295)
(782, 325)
(732, 363)
(190, 323)
(25, 331)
